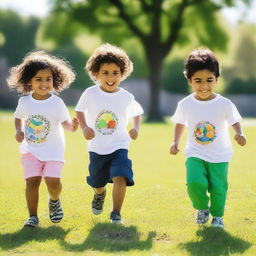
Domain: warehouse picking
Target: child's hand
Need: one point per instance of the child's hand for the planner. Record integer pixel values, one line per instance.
(74, 124)
(88, 133)
(19, 136)
(133, 133)
(240, 139)
(174, 149)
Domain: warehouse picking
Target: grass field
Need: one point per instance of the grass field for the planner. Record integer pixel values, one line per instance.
(159, 219)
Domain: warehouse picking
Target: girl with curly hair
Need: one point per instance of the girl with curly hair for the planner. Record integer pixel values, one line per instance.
(39, 121)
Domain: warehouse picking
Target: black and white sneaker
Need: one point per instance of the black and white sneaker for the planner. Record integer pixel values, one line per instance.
(115, 217)
(98, 202)
(202, 216)
(32, 222)
(217, 222)
(55, 211)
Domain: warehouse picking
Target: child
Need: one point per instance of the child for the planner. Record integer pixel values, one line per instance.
(37, 119)
(103, 112)
(208, 149)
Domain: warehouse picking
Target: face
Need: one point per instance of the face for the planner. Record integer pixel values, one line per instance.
(203, 83)
(109, 77)
(42, 84)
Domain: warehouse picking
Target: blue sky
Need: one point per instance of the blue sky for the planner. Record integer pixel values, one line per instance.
(40, 8)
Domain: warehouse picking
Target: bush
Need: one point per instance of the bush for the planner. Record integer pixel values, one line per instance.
(241, 86)
(173, 79)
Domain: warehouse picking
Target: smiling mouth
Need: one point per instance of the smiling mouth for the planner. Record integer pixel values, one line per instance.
(110, 84)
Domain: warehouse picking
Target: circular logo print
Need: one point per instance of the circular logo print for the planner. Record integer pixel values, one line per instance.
(204, 132)
(106, 122)
(37, 129)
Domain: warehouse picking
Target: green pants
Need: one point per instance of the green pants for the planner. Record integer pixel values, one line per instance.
(203, 178)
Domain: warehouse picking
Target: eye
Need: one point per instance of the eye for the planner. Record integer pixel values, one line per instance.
(116, 73)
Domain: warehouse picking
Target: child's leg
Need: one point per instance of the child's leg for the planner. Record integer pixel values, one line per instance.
(197, 183)
(218, 186)
(52, 173)
(99, 191)
(32, 195)
(118, 193)
(54, 187)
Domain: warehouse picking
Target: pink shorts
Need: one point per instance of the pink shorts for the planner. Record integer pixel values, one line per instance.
(34, 167)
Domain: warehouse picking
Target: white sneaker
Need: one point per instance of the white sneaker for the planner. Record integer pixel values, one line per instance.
(217, 222)
(202, 216)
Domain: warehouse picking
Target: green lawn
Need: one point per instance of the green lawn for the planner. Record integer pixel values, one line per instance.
(159, 218)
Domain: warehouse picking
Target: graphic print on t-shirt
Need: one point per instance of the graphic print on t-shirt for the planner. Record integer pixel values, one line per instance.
(204, 132)
(106, 122)
(37, 129)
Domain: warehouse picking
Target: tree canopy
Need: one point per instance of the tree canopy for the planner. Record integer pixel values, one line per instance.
(158, 25)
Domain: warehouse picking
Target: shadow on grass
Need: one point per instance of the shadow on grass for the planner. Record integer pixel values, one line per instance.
(112, 237)
(215, 242)
(13, 240)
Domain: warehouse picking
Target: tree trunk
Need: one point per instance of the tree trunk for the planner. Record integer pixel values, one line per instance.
(155, 62)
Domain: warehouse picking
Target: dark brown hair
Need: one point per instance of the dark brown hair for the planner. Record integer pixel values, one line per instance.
(21, 75)
(108, 53)
(201, 59)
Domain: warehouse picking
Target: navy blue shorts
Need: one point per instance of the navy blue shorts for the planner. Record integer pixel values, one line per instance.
(103, 168)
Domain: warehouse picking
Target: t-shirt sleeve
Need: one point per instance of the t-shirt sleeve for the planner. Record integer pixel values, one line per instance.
(63, 113)
(179, 116)
(134, 108)
(232, 115)
(20, 111)
(82, 103)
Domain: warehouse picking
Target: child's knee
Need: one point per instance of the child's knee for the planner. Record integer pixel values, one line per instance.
(119, 180)
(53, 183)
(33, 182)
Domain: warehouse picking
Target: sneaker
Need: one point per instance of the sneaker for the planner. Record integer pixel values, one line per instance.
(97, 203)
(217, 222)
(115, 217)
(55, 211)
(202, 216)
(32, 222)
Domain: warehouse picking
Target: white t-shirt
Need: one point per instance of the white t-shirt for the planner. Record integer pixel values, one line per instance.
(207, 122)
(108, 115)
(44, 136)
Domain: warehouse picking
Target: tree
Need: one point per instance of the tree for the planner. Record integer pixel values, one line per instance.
(158, 24)
(18, 36)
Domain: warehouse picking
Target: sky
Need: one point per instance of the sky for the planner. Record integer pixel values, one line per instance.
(40, 8)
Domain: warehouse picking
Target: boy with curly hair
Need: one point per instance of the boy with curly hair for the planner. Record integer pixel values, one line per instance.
(103, 112)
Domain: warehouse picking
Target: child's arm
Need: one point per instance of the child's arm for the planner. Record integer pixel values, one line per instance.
(19, 133)
(71, 126)
(136, 126)
(178, 131)
(87, 131)
(239, 136)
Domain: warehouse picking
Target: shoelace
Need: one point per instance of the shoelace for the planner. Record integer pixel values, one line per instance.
(202, 213)
(54, 207)
(98, 200)
(32, 220)
(218, 220)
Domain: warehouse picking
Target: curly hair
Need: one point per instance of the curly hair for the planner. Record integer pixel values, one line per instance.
(201, 59)
(108, 53)
(21, 75)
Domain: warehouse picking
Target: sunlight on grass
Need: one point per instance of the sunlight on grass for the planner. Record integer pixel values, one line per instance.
(159, 219)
